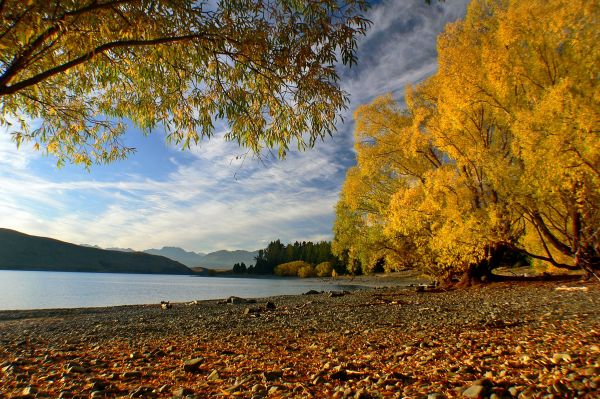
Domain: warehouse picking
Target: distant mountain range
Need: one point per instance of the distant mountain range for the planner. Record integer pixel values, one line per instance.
(19, 251)
(222, 259)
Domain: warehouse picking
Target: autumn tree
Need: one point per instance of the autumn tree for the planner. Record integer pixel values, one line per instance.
(72, 73)
(497, 152)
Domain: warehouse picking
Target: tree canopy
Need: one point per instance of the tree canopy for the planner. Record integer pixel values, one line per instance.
(72, 73)
(499, 151)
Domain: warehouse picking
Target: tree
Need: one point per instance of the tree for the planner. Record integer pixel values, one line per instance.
(497, 152)
(82, 68)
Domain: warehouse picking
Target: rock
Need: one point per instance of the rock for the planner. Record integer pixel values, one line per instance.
(248, 311)
(335, 294)
(341, 375)
(561, 357)
(193, 365)
(258, 388)
(270, 306)
(97, 394)
(272, 375)
(311, 292)
(165, 305)
(143, 392)
(513, 391)
(436, 395)
(180, 391)
(132, 374)
(318, 380)
(213, 376)
(76, 369)
(29, 390)
(234, 300)
(65, 395)
(474, 392)
(591, 371)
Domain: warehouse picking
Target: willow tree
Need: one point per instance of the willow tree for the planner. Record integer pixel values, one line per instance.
(508, 130)
(528, 69)
(73, 72)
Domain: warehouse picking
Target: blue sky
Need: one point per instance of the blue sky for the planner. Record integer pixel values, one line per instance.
(208, 198)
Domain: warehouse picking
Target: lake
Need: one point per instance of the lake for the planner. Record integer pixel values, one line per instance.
(45, 290)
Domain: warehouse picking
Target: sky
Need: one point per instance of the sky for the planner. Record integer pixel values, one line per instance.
(212, 197)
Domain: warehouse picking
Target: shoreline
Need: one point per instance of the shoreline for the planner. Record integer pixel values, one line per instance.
(298, 284)
(374, 343)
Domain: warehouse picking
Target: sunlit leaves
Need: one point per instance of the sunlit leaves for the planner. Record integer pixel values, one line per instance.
(265, 68)
(500, 148)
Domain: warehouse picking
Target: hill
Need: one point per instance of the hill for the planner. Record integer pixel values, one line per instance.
(19, 251)
(226, 259)
(180, 255)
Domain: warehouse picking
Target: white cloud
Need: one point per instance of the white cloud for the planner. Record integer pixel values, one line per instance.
(217, 196)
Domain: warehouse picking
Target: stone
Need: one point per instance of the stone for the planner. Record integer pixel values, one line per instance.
(165, 305)
(29, 390)
(132, 374)
(591, 371)
(258, 388)
(311, 292)
(213, 376)
(561, 357)
(193, 365)
(234, 300)
(513, 391)
(143, 392)
(272, 375)
(341, 375)
(436, 395)
(76, 369)
(335, 294)
(474, 392)
(270, 306)
(181, 391)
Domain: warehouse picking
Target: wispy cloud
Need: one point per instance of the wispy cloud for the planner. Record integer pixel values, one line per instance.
(213, 197)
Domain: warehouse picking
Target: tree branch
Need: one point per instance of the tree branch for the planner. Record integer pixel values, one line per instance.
(5, 90)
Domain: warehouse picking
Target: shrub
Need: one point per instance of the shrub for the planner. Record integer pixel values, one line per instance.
(324, 269)
(290, 268)
(306, 271)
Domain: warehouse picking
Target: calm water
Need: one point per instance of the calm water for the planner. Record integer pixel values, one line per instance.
(41, 290)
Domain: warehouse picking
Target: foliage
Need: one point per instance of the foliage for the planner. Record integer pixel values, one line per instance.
(324, 269)
(290, 268)
(497, 152)
(81, 69)
(306, 271)
(277, 253)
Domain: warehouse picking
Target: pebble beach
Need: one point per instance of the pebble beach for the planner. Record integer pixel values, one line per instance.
(502, 340)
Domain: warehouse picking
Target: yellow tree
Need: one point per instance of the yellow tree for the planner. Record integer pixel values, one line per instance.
(386, 164)
(499, 150)
(529, 68)
(81, 68)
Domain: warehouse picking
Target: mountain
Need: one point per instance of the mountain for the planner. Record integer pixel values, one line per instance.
(222, 259)
(19, 251)
(188, 258)
(226, 259)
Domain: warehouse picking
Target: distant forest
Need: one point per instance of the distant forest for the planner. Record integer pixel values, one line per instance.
(277, 253)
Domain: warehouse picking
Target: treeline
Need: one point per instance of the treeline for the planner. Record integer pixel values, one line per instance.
(309, 253)
(495, 156)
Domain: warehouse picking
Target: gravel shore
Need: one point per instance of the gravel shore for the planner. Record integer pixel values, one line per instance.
(503, 340)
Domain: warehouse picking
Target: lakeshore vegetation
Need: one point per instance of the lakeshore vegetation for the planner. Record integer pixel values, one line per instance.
(496, 155)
